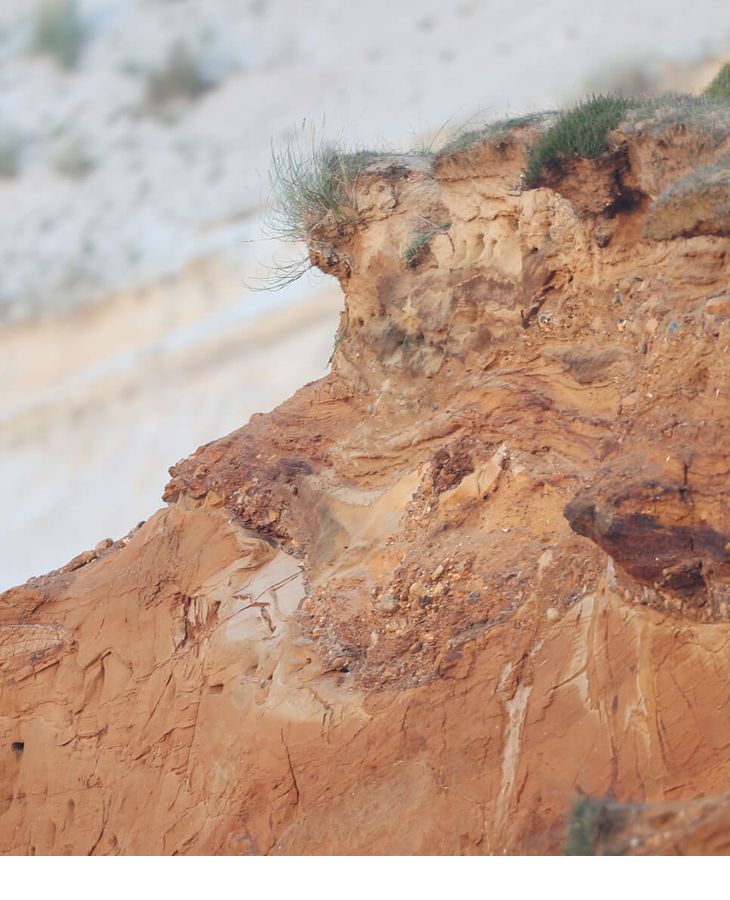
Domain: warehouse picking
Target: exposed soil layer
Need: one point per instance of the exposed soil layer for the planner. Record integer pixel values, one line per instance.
(484, 562)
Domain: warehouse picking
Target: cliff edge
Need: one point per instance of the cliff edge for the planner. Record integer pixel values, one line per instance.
(482, 564)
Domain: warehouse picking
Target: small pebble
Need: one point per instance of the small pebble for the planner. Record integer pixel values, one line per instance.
(416, 647)
(416, 591)
(629, 401)
(389, 605)
(553, 614)
(718, 306)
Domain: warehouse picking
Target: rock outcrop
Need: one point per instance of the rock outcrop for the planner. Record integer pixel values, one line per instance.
(484, 563)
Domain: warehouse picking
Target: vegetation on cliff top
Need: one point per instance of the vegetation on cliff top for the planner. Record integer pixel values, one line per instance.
(309, 184)
(703, 114)
(313, 180)
(702, 178)
(581, 131)
(719, 87)
(493, 131)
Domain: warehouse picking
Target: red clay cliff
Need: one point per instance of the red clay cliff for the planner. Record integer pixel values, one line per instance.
(481, 566)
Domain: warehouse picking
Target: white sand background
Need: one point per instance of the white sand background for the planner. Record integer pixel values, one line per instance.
(127, 335)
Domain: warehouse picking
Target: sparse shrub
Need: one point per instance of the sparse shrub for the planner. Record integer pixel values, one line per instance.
(719, 87)
(581, 131)
(181, 77)
(73, 160)
(500, 128)
(415, 252)
(59, 31)
(10, 150)
(704, 115)
(701, 178)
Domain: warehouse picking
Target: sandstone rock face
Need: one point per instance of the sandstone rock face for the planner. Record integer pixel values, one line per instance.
(481, 564)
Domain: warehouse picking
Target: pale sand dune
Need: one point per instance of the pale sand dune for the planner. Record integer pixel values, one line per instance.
(93, 463)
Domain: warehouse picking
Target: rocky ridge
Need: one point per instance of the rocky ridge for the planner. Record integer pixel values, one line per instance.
(482, 563)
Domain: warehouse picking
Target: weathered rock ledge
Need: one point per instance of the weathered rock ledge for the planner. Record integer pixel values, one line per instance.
(481, 564)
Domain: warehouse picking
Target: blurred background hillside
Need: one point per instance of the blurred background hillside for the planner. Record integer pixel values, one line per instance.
(134, 146)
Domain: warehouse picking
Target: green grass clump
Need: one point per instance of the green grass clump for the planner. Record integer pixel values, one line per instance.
(719, 87)
(311, 181)
(417, 249)
(59, 31)
(414, 253)
(582, 832)
(581, 131)
(307, 186)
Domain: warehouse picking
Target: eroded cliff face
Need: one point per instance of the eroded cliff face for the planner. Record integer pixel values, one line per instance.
(484, 562)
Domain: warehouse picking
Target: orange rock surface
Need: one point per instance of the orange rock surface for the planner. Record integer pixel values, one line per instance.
(483, 563)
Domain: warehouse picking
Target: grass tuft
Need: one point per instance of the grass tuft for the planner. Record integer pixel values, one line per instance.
(310, 184)
(581, 131)
(493, 131)
(703, 115)
(719, 87)
(699, 179)
(59, 31)
(311, 181)
(415, 252)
